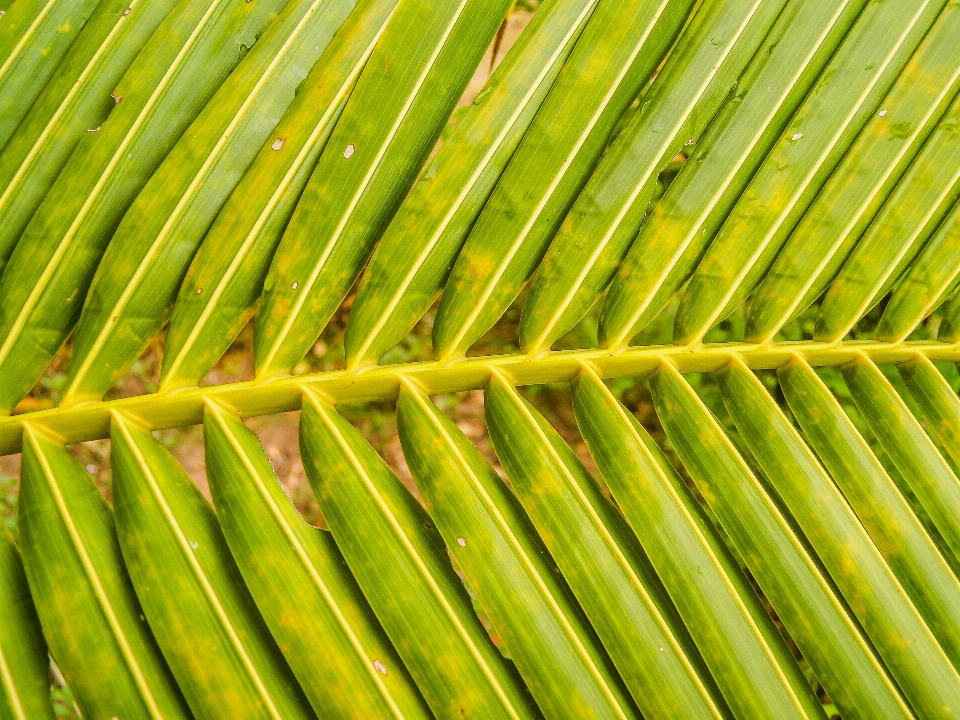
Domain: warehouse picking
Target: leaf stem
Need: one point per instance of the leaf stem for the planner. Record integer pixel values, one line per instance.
(180, 407)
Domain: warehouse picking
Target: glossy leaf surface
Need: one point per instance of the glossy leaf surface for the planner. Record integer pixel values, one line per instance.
(925, 471)
(193, 595)
(43, 285)
(684, 222)
(134, 287)
(880, 506)
(799, 164)
(34, 40)
(618, 51)
(928, 190)
(388, 127)
(506, 564)
(601, 560)
(73, 103)
(232, 261)
(726, 619)
(860, 185)
(24, 687)
(302, 585)
(389, 541)
(674, 113)
(887, 614)
(88, 607)
(412, 261)
(790, 577)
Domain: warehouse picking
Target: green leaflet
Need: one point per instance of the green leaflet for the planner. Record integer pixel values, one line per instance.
(682, 224)
(44, 284)
(18, 19)
(138, 277)
(913, 453)
(393, 118)
(950, 325)
(90, 613)
(602, 562)
(897, 532)
(412, 261)
(73, 102)
(938, 402)
(504, 561)
(24, 682)
(230, 265)
(860, 185)
(605, 218)
(874, 594)
(928, 190)
(301, 585)
(814, 142)
(927, 283)
(622, 45)
(400, 562)
(733, 631)
(35, 37)
(193, 596)
(791, 579)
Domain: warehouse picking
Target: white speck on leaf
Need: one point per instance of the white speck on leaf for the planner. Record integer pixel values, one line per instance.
(661, 649)
(796, 136)
(461, 542)
(193, 544)
(294, 285)
(348, 153)
(882, 113)
(127, 11)
(96, 129)
(199, 290)
(91, 468)
(381, 668)
(277, 144)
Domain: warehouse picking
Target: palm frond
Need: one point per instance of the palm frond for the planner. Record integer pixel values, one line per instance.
(746, 212)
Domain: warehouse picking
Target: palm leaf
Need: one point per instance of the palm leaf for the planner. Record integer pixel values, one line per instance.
(24, 687)
(738, 187)
(73, 103)
(36, 35)
(88, 581)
